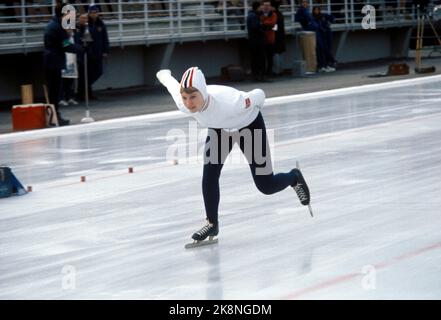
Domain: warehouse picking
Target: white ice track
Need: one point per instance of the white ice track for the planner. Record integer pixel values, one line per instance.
(371, 155)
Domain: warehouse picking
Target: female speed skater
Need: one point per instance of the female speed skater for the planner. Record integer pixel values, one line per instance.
(231, 116)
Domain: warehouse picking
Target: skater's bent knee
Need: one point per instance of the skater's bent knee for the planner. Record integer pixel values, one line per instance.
(265, 189)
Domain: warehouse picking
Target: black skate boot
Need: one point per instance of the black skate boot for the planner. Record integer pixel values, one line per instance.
(301, 188)
(210, 230)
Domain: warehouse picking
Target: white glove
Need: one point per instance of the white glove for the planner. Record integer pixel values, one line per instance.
(257, 97)
(163, 74)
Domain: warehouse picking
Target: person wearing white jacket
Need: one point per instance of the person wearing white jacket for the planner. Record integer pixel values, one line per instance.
(231, 116)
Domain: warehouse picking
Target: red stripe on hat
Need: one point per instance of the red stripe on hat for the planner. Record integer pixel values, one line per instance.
(191, 76)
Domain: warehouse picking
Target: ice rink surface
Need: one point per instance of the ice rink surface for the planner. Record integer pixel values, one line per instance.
(371, 156)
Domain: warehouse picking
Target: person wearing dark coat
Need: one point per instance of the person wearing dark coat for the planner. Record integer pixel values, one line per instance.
(97, 50)
(308, 23)
(304, 17)
(280, 45)
(56, 44)
(269, 22)
(256, 42)
(324, 22)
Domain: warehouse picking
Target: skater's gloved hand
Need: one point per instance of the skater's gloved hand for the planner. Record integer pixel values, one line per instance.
(256, 98)
(163, 74)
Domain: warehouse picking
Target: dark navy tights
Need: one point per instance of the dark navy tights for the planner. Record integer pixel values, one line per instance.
(253, 142)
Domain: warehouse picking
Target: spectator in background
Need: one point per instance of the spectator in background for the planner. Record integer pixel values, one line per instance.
(80, 39)
(256, 42)
(308, 23)
(268, 19)
(56, 43)
(325, 34)
(304, 17)
(280, 41)
(69, 75)
(97, 50)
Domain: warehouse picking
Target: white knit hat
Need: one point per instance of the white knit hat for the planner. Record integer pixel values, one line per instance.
(194, 77)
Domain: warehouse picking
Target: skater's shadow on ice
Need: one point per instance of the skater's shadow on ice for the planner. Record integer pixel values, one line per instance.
(306, 261)
(211, 256)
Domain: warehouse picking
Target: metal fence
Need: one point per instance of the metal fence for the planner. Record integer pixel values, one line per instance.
(147, 22)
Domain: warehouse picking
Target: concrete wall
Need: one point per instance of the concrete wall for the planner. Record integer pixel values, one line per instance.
(365, 45)
(123, 68)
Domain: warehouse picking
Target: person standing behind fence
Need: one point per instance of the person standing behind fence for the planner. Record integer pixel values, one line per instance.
(304, 17)
(56, 43)
(269, 21)
(308, 23)
(280, 42)
(325, 33)
(256, 42)
(69, 77)
(79, 38)
(97, 50)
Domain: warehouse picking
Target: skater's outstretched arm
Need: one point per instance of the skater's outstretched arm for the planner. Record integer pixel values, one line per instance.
(167, 80)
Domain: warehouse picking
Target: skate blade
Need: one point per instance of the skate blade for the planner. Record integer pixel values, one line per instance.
(310, 210)
(200, 243)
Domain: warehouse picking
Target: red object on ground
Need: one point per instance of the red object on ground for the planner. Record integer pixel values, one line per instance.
(28, 116)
